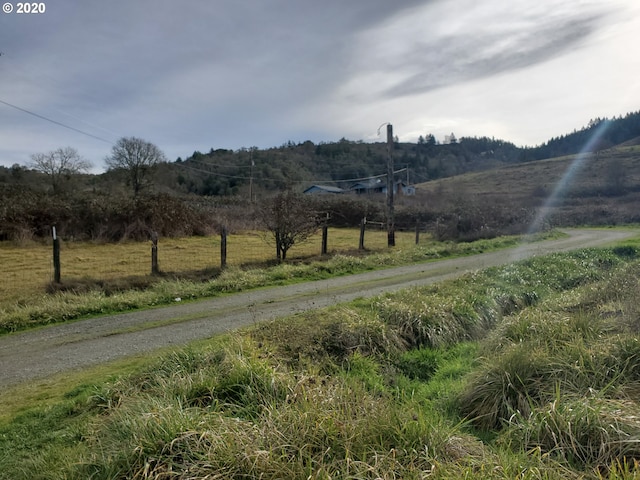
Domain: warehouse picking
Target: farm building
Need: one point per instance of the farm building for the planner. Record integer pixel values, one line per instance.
(372, 186)
(323, 190)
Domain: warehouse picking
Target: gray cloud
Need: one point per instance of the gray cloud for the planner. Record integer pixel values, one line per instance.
(479, 48)
(452, 60)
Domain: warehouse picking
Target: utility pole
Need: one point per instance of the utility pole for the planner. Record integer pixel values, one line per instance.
(391, 234)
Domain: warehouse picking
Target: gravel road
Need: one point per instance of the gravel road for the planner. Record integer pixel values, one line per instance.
(37, 354)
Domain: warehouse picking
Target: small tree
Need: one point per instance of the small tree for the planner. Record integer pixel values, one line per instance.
(290, 220)
(136, 157)
(59, 165)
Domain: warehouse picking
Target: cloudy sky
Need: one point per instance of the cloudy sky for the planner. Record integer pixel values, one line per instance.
(193, 75)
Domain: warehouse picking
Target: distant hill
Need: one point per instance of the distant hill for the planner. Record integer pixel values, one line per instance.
(342, 163)
(599, 134)
(600, 188)
(630, 143)
(223, 172)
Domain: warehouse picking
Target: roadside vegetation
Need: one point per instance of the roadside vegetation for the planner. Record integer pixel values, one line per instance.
(528, 371)
(26, 303)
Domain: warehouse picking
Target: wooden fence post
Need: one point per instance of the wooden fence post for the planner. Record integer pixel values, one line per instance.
(363, 224)
(325, 235)
(56, 257)
(223, 247)
(154, 254)
(417, 233)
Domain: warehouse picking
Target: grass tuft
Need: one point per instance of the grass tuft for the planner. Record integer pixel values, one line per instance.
(586, 431)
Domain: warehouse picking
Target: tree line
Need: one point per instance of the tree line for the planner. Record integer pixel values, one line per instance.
(224, 172)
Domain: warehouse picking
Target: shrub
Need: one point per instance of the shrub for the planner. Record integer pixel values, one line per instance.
(470, 220)
(347, 210)
(29, 214)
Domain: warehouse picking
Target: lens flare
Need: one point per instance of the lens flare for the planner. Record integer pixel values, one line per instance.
(574, 167)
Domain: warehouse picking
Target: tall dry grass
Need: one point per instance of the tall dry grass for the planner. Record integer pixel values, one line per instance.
(86, 296)
(27, 269)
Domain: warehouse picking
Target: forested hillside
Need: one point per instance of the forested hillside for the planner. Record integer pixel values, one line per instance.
(222, 172)
(228, 172)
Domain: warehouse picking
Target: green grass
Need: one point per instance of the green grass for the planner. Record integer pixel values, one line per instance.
(525, 371)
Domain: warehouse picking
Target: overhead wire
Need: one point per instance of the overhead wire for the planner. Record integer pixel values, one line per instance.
(29, 75)
(182, 165)
(55, 122)
(253, 166)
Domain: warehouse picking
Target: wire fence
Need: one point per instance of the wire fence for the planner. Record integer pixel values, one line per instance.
(29, 270)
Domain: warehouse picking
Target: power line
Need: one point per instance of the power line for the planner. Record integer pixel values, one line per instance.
(213, 173)
(182, 165)
(55, 122)
(334, 164)
(28, 74)
(363, 178)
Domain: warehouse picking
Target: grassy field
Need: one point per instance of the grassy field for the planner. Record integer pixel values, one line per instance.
(537, 179)
(29, 269)
(599, 189)
(527, 371)
(25, 304)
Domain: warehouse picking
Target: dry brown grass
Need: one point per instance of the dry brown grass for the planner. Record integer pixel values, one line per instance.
(28, 269)
(529, 179)
(604, 189)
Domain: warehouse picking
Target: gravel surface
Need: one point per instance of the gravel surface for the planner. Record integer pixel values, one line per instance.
(37, 354)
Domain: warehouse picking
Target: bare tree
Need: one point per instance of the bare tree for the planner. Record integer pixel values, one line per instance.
(60, 165)
(136, 157)
(290, 220)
